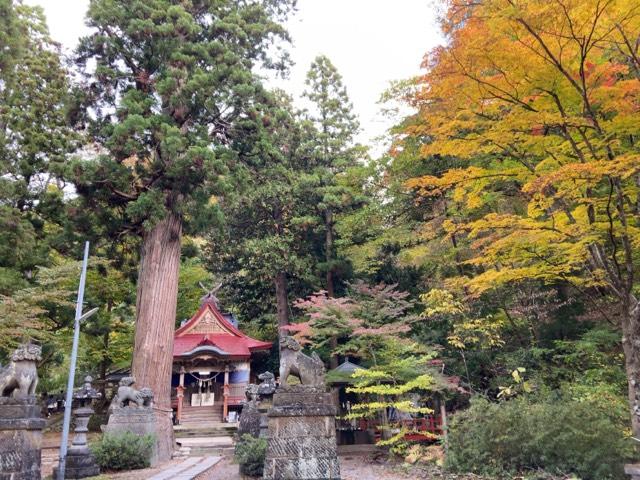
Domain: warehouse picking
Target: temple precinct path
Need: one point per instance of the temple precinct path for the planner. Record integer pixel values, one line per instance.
(188, 469)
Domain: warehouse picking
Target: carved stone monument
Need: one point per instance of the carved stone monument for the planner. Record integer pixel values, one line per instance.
(20, 422)
(132, 411)
(301, 434)
(80, 461)
(253, 419)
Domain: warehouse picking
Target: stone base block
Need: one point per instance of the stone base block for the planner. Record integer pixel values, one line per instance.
(302, 436)
(249, 420)
(79, 466)
(137, 420)
(633, 470)
(20, 439)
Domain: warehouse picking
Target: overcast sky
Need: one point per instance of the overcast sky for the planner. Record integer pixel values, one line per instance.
(371, 42)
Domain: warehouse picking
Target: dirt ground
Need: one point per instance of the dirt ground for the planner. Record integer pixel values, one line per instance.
(351, 468)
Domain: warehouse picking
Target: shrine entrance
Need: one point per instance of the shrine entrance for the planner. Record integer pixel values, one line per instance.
(211, 364)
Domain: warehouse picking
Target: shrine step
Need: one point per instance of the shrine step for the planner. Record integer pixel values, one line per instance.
(205, 446)
(210, 429)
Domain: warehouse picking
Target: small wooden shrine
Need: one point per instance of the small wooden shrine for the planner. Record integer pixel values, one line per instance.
(212, 361)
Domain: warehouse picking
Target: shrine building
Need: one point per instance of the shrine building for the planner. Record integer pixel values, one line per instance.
(211, 365)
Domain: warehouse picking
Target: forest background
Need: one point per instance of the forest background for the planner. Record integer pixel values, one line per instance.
(495, 243)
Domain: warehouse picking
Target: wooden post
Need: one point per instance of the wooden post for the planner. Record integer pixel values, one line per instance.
(180, 395)
(225, 394)
(445, 430)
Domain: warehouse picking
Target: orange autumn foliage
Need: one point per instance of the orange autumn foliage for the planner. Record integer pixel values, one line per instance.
(540, 101)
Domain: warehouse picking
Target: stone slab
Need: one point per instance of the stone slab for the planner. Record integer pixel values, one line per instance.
(189, 469)
(205, 442)
(198, 469)
(171, 472)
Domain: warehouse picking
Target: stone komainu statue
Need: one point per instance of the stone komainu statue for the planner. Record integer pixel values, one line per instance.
(20, 377)
(253, 392)
(127, 394)
(309, 369)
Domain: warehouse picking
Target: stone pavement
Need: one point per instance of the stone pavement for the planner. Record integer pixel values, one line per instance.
(189, 469)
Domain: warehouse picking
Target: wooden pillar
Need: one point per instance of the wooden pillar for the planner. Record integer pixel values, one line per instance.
(180, 390)
(225, 404)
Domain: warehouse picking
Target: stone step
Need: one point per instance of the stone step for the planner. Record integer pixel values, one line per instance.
(200, 433)
(226, 441)
(205, 446)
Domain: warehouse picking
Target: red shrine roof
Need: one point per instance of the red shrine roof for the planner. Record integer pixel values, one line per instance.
(210, 332)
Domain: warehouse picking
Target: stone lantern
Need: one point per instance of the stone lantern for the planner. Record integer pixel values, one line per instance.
(80, 461)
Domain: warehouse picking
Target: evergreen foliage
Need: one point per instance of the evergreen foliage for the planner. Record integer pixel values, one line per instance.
(559, 435)
(123, 451)
(250, 453)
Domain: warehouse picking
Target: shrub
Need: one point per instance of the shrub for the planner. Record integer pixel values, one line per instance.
(249, 453)
(561, 436)
(123, 451)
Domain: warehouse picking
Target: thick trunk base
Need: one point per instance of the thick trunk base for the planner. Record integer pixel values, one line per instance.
(155, 321)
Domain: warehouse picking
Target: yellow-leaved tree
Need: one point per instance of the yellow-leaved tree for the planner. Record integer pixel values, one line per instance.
(539, 100)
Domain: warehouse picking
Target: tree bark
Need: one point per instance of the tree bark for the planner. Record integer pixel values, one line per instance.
(282, 299)
(631, 347)
(155, 322)
(328, 246)
(330, 278)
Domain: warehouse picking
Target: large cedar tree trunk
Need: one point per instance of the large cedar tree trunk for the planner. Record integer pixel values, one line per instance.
(156, 312)
(282, 299)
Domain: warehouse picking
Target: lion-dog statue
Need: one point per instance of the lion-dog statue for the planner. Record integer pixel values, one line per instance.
(254, 391)
(20, 377)
(127, 394)
(309, 369)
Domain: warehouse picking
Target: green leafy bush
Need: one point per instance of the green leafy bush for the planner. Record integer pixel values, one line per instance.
(559, 436)
(123, 451)
(249, 453)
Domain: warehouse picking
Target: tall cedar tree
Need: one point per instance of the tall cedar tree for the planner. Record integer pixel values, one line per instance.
(265, 215)
(170, 78)
(34, 139)
(336, 127)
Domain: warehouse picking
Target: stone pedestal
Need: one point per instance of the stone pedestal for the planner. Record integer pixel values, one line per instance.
(137, 420)
(302, 435)
(80, 461)
(20, 438)
(633, 470)
(249, 420)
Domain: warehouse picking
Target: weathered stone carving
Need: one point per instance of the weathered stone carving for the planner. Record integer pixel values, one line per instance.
(309, 369)
(20, 377)
(127, 394)
(253, 419)
(20, 422)
(266, 387)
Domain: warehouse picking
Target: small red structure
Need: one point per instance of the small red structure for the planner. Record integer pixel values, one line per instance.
(212, 360)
